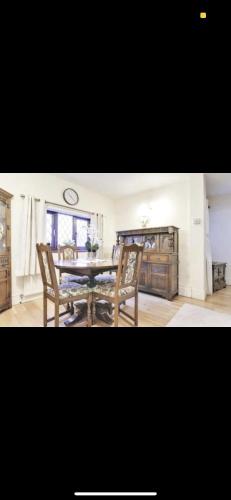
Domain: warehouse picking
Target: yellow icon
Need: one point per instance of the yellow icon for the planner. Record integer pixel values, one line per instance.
(203, 15)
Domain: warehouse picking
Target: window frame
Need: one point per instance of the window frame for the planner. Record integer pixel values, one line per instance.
(55, 235)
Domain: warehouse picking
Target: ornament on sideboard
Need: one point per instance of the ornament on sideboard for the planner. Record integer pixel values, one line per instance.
(145, 221)
(145, 215)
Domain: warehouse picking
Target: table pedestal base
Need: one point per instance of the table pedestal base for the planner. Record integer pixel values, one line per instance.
(104, 312)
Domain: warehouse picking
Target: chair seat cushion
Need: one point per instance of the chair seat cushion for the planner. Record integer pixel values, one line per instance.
(102, 279)
(71, 278)
(109, 290)
(68, 291)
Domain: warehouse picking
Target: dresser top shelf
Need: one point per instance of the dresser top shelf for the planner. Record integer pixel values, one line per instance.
(147, 231)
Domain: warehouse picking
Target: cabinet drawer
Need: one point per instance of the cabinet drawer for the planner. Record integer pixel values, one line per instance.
(159, 259)
(145, 258)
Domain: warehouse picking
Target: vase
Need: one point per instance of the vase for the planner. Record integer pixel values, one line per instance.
(91, 255)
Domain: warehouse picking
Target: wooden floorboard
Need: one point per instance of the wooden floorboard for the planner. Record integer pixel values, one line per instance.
(153, 312)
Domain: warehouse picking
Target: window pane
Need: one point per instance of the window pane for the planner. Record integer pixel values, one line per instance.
(82, 229)
(65, 229)
(49, 228)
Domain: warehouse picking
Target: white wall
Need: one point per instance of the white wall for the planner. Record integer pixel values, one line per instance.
(198, 237)
(220, 231)
(175, 205)
(50, 188)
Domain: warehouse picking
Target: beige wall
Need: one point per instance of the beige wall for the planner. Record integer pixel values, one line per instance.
(50, 188)
(175, 205)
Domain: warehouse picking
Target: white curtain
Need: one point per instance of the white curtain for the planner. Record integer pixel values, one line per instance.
(100, 230)
(97, 222)
(209, 259)
(30, 232)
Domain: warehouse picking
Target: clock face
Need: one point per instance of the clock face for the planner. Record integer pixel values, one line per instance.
(71, 197)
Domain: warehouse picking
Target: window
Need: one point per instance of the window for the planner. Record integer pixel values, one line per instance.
(63, 229)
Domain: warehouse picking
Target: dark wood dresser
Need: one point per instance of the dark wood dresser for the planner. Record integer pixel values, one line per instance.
(160, 268)
(5, 250)
(219, 280)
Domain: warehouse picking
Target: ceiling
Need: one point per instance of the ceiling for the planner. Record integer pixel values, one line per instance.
(118, 185)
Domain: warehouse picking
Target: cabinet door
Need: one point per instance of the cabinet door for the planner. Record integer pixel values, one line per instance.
(167, 243)
(144, 275)
(4, 288)
(3, 226)
(221, 272)
(159, 278)
(152, 243)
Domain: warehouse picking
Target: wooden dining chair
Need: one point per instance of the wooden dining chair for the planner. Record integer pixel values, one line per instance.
(105, 278)
(126, 285)
(69, 252)
(60, 295)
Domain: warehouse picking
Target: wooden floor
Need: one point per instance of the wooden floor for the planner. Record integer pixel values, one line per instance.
(154, 312)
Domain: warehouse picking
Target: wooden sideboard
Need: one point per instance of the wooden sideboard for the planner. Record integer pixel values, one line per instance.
(5, 250)
(219, 278)
(160, 268)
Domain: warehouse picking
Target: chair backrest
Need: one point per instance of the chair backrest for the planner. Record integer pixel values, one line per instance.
(47, 266)
(116, 252)
(131, 257)
(68, 252)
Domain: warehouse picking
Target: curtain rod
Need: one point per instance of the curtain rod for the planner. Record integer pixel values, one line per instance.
(63, 206)
(36, 199)
(70, 208)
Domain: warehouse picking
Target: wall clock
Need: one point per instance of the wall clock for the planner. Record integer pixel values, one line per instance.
(71, 197)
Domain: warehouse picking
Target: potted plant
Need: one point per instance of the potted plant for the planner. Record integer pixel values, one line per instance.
(92, 246)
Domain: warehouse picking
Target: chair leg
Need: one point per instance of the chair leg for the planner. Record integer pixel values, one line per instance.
(89, 315)
(116, 314)
(136, 310)
(56, 315)
(45, 311)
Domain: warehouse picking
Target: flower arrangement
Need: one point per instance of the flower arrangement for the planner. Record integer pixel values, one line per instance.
(92, 246)
(92, 243)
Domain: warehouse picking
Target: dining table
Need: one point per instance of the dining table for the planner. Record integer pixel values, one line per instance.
(90, 268)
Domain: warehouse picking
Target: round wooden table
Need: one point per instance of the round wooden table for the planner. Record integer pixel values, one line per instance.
(90, 268)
